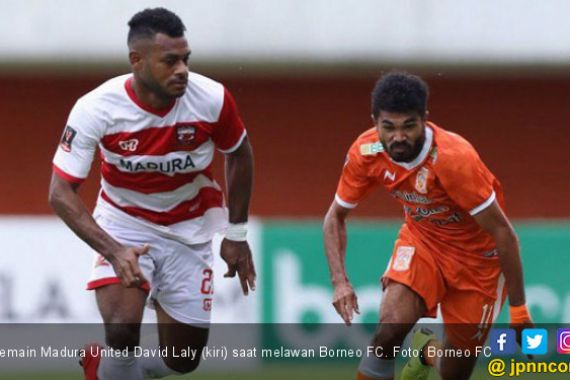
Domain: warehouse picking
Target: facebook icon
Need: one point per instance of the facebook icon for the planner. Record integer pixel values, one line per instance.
(503, 341)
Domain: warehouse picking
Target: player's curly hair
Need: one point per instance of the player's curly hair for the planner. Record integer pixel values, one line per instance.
(146, 23)
(399, 92)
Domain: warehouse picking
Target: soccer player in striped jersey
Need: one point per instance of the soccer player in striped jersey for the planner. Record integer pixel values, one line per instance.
(456, 248)
(157, 130)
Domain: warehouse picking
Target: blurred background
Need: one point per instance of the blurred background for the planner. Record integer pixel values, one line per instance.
(301, 72)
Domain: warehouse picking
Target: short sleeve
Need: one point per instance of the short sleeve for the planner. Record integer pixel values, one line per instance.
(79, 141)
(229, 131)
(354, 182)
(468, 182)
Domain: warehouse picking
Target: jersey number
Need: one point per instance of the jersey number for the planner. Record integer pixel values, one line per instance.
(206, 287)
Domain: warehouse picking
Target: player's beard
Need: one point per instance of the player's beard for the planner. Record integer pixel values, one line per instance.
(154, 86)
(407, 152)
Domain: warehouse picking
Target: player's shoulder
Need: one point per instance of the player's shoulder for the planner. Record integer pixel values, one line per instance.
(203, 82)
(109, 94)
(367, 145)
(451, 151)
(204, 88)
(204, 95)
(111, 87)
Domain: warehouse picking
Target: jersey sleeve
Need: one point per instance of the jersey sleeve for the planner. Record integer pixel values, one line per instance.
(79, 141)
(230, 130)
(354, 182)
(468, 182)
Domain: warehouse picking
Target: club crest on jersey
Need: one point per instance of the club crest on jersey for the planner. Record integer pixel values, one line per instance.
(67, 138)
(186, 134)
(130, 145)
(403, 259)
(421, 180)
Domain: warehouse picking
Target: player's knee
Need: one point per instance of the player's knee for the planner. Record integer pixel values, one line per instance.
(121, 335)
(182, 365)
(389, 336)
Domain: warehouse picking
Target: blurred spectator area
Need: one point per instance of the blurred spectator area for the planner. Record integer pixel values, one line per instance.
(302, 72)
(301, 127)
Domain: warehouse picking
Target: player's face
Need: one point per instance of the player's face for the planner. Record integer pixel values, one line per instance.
(401, 134)
(165, 66)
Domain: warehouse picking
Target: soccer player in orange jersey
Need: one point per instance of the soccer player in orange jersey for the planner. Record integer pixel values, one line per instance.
(456, 248)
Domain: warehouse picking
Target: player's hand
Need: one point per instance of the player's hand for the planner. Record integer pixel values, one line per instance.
(345, 302)
(125, 262)
(519, 327)
(237, 256)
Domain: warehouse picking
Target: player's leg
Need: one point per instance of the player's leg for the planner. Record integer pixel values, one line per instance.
(468, 315)
(121, 308)
(400, 309)
(413, 287)
(185, 340)
(182, 295)
(122, 311)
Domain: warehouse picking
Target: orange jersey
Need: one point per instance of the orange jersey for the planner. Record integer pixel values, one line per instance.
(440, 191)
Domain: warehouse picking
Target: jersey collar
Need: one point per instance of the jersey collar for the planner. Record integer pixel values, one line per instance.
(423, 153)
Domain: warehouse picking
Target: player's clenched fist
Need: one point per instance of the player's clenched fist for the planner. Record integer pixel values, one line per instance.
(125, 262)
(345, 302)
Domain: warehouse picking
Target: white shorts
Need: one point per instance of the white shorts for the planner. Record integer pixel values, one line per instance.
(180, 275)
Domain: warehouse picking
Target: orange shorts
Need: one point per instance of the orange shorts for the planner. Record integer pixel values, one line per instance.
(469, 291)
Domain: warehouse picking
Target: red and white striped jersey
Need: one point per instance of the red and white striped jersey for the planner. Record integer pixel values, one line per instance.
(156, 163)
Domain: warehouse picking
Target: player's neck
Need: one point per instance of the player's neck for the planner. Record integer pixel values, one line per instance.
(146, 96)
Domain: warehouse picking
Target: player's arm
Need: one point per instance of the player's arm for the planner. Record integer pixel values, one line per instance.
(472, 186)
(493, 220)
(235, 249)
(67, 204)
(334, 233)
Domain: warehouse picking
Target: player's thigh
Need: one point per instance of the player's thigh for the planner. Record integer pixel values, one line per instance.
(122, 310)
(183, 282)
(400, 309)
(421, 285)
(187, 341)
(401, 304)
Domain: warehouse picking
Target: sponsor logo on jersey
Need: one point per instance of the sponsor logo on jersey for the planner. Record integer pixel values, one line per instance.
(455, 218)
(411, 197)
(419, 213)
(130, 145)
(422, 180)
(185, 134)
(67, 138)
(403, 258)
(371, 149)
(168, 167)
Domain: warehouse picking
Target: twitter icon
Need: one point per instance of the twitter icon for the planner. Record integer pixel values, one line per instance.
(534, 341)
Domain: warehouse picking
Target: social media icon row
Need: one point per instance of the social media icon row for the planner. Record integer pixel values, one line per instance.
(534, 341)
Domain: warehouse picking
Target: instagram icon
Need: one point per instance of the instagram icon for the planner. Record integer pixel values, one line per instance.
(563, 341)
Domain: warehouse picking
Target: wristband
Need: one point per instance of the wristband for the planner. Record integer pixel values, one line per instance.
(237, 232)
(519, 314)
